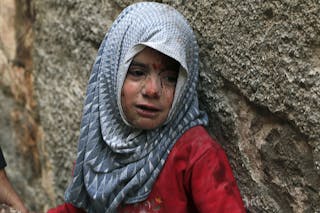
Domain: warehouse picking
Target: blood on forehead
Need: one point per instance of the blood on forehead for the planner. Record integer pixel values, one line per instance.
(156, 66)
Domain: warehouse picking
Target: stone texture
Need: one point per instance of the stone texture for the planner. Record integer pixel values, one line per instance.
(260, 84)
(20, 130)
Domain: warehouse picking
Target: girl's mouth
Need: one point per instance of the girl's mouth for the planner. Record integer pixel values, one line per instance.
(147, 111)
(148, 108)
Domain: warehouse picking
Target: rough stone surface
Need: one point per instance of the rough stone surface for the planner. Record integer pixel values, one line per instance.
(260, 84)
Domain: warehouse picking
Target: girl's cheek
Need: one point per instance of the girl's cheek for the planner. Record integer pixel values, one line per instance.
(169, 94)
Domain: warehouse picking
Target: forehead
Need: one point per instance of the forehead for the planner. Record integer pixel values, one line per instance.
(153, 57)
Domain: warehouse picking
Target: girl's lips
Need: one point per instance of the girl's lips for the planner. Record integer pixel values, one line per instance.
(147, 111)
(148, 107)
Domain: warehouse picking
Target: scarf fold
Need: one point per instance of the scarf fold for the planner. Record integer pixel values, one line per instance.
(117, 163)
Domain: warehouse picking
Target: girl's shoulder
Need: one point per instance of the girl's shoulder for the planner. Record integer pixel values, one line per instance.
(199, 139)
(194, 144)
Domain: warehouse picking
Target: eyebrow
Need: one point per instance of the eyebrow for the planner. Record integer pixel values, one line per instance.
(139, 64)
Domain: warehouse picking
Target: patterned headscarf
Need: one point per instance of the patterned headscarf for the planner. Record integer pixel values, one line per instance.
(117, 163)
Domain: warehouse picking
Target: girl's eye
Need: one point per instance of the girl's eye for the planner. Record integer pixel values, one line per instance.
(136, 73)
(169, 78)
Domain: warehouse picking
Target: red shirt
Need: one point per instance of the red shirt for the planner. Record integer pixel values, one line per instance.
(196, 177)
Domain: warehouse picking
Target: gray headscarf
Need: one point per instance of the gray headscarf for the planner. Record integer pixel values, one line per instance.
(117, 163)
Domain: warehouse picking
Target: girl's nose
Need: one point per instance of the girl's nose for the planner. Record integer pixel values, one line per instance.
(152, 86)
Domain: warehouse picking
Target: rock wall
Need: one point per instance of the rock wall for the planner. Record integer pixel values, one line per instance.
(260, 84)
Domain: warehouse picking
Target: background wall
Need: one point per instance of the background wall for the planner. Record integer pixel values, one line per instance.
(259, 82)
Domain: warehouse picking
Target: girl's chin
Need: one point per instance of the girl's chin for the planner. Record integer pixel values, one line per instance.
(147, 124)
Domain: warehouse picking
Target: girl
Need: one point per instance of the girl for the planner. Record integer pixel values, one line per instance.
(142, 146)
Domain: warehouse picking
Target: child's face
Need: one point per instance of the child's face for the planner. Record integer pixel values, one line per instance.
(148, 90)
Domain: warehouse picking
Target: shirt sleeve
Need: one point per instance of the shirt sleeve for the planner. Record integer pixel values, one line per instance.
(66, 208)
(3, 162)
(213, 186)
